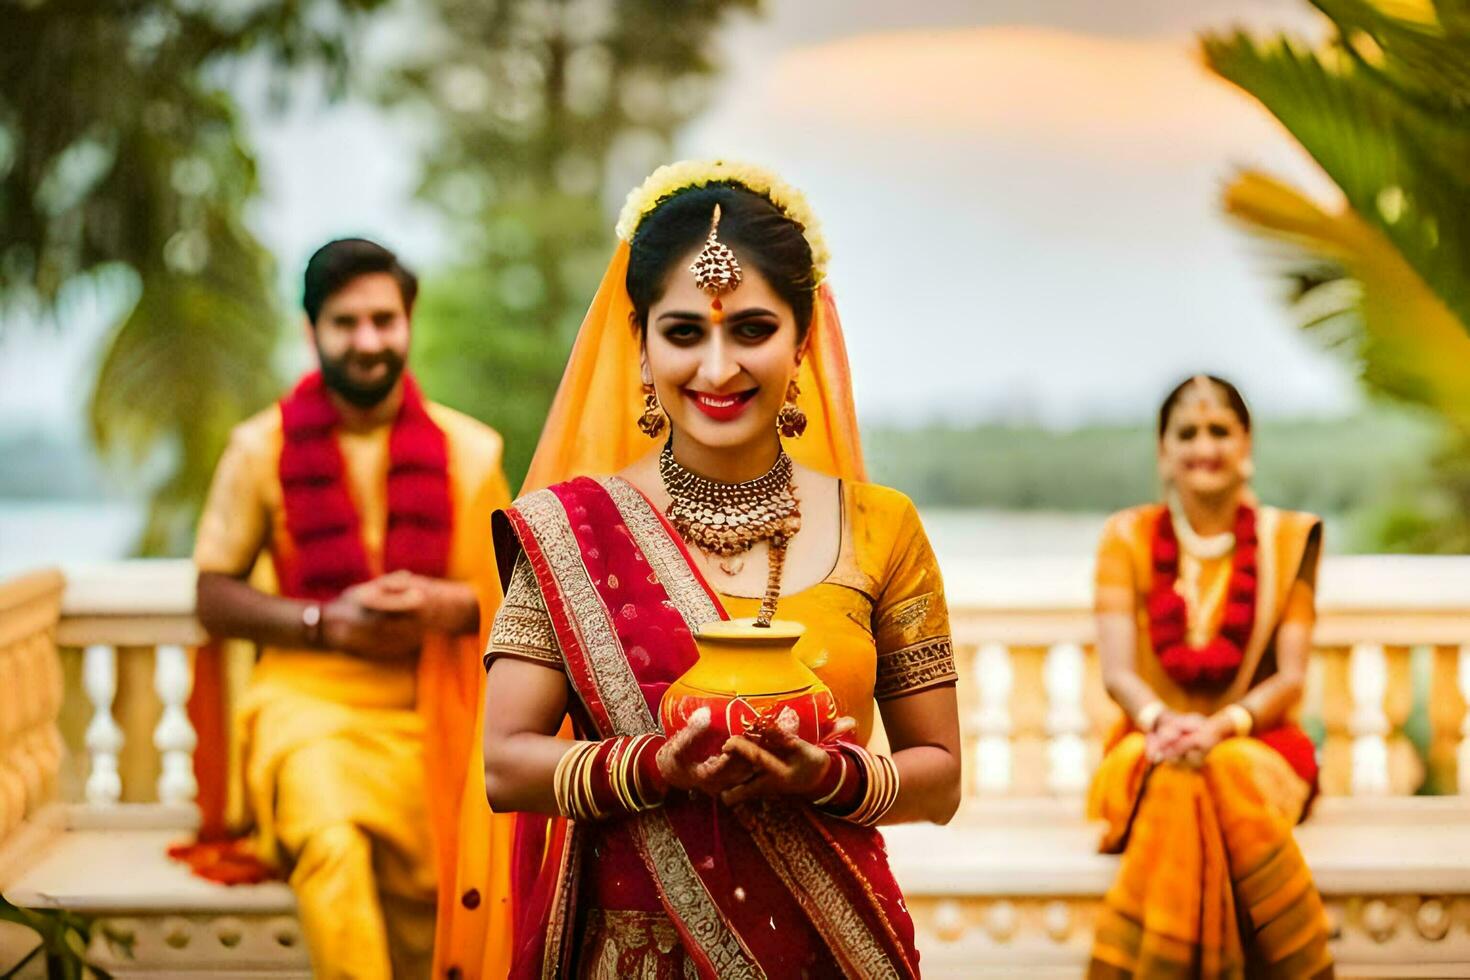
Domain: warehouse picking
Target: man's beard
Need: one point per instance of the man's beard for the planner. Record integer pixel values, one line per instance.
(336, 377)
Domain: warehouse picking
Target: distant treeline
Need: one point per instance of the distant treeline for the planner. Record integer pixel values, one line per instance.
(1366, 471)
(1360, 469)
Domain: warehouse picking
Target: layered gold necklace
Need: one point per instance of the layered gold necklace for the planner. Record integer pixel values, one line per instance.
(726, 520)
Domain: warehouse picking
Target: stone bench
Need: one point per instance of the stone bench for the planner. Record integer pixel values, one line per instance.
(153, 917)
(1010, 888)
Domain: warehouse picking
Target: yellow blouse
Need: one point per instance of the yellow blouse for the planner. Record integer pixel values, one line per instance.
(877, 626)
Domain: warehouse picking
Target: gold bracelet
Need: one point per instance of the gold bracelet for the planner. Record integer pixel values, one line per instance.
(589, 798)
(641, 793)
(1148, 716)
(560, 783)
(571, 781)
(881, 792)
(1240, 718)
(841, 778)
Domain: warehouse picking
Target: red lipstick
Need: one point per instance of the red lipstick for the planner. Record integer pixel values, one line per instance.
(721, 408)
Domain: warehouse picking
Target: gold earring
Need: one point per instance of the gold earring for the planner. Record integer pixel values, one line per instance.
(1248, 469)
(791, 420)
(651, 422)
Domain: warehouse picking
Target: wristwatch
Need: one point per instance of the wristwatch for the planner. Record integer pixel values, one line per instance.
(311, 619)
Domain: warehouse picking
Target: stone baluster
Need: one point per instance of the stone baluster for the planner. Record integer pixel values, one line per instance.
(104, 738)
(1462, 759)
(994, 679)
(1368, 723)
(1066, 719)
(174, 737)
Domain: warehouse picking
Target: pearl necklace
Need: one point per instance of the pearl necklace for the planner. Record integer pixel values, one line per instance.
(1205, 548)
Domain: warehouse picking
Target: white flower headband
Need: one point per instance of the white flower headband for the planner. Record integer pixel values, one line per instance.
(674, 177)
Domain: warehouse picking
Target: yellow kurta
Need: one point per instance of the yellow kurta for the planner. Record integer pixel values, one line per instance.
(333, 757)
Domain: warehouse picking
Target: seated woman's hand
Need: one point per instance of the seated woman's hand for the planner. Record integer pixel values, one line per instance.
(1169, 740)
(1197, 744)
(784, 764)
(683, 766)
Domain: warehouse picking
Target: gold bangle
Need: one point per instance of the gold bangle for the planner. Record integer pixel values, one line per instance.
(561, 778)
(881, 792)
(1148, 716)
(588, 801)
(841, 778)
(1240, 719)
(642, 794)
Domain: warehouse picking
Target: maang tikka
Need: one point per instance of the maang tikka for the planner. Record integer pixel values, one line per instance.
(716, 270)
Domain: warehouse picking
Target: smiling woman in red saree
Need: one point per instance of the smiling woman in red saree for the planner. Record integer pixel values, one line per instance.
(763, 861)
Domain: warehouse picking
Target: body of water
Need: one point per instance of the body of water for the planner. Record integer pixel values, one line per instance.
(38, 533)
(35, 534)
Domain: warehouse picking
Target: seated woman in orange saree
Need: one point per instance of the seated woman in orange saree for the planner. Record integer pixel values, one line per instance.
(1205, 611)
(762, 860)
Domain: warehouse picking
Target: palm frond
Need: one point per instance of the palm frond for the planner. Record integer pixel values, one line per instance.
(1406, 341)
(1410, 45)
(1395, 165)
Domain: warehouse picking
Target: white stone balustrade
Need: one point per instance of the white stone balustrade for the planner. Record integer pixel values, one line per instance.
(124, 615)
(1035, 713)
(993, 677)
(174, 737)
(1368, 687)
(1033, 717)
(104, 737)
(1066, 721)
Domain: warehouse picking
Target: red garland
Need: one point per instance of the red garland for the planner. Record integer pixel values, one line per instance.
(1215, 664)
(320, 515)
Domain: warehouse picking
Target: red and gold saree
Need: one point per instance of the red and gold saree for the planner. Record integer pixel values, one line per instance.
(768, 889)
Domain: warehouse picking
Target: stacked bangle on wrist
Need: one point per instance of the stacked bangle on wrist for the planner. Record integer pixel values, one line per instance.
(1240, 718)
(863, 787)
(1148, 716)
(839, 787)
(614, 777)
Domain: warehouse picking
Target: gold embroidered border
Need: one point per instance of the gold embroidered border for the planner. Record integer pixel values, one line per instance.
(617, 687)
(775, 829)
(562, 913)
(914, 668)
(619, 690)
(689, 597)
(521, 627)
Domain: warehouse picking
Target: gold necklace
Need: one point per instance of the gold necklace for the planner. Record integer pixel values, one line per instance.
(726, 520)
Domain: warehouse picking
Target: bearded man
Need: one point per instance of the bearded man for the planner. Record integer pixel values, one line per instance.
(373, 505)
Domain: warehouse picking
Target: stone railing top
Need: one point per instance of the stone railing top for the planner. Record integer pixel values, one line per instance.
(142, 586)
(1348, 583)
(129, 603)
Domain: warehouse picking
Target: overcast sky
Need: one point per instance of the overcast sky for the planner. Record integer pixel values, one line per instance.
(1021, 197)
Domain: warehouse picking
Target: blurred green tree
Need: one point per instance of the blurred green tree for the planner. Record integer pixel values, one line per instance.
(548, 110)
(1383, 106)
(123, 168)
